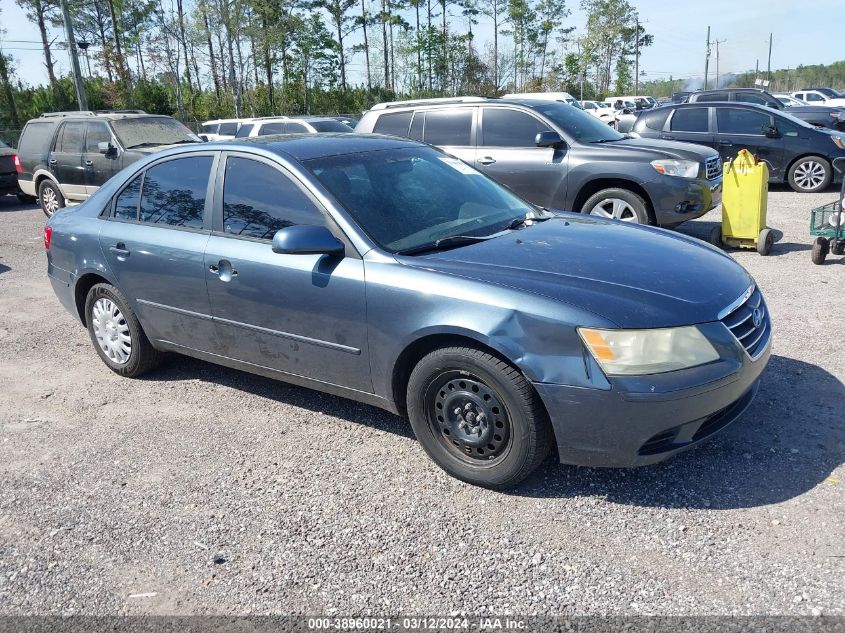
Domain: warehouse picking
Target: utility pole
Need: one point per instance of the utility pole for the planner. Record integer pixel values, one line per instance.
(637, 59)
(707, 59)
(74, 58)
(717, 42)
(756, 71)
(769, 67)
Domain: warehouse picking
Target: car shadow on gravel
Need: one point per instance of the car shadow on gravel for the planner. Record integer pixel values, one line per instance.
(788, 441)
(186, 368)
(4, 269)
(9, 204)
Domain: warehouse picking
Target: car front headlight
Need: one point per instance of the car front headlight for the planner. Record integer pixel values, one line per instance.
(638, 352)
(682, 168)
(840, 141)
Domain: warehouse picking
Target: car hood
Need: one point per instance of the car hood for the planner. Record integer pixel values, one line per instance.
(636, 277)
(810, 109)
(652, 149)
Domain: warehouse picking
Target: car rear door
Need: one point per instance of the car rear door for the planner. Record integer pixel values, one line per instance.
(507, 152)
(98, 167)
(744, 128)
(66, 159)
(154, 241)
(691, 124)
(297, 314)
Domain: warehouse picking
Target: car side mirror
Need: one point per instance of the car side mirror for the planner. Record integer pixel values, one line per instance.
(306, 239)
(548, 138)
(627, 111)
(107, 148)
(771, 132)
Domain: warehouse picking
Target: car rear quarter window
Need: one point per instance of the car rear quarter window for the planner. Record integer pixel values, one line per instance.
(451, 127)
(173, 192)
(295, 128)
(689, 120)
(331, 126)
(36, 138)
(713, 96)
(272, 128)
(244, 130)
(259, 200)
(126, 203)
(395, 123)
(228, 129)
(70, 138)
(210, 128)
(97, 132)
(738, 121)
(503, 127)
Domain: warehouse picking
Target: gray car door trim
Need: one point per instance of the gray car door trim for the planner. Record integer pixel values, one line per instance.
(162, 306)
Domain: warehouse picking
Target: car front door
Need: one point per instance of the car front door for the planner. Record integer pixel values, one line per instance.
(690, 124)
(154, 242)
(740, 128)
(297, 314)
(450, 129)
(98, 167)
(507, 152)
(66, 159)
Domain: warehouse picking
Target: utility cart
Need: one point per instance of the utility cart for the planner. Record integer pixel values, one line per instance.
(827, 223)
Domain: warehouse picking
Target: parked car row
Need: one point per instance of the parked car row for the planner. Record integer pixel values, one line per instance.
(227, 129)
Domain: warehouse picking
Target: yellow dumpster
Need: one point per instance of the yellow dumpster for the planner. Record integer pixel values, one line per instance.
(745, 194)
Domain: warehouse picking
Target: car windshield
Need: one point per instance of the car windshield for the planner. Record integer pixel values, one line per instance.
(330, 126)
(830, 93)
(151, 131)
(581, 126)
(408, 198)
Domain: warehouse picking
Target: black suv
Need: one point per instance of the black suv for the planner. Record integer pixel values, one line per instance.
(820, 115)
(69, 155)
(558, 156)
(794, 151)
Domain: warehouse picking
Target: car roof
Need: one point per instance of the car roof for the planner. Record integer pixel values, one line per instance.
(393, 106)
(88, 115)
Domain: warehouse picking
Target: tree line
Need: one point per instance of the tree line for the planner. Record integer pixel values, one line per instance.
(200, 59)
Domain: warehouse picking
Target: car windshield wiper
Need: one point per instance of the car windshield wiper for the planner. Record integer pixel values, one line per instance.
(607, 140)
(148, 144)
(444, 243)
(528, 217)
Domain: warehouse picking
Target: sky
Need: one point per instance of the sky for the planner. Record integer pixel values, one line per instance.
(800, 36)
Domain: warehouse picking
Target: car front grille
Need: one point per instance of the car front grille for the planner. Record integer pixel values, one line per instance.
(749, 322)
(713, 167)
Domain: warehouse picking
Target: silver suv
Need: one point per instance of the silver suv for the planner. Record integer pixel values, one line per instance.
(558, 156)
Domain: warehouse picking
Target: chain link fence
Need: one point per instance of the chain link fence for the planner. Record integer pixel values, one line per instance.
(10, 136)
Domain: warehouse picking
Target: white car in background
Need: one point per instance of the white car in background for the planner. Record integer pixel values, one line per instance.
(220, 129)
(821, 96)
(546, 96)
(599, 110)
(788, 100)
(262, 126)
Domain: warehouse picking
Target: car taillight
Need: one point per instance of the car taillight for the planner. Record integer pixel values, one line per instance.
(18, 165)
(48, 235)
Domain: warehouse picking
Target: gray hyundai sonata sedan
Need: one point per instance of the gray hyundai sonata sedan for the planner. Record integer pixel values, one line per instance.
(383, 270)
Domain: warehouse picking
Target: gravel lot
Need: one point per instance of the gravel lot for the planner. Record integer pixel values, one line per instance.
(200, 489)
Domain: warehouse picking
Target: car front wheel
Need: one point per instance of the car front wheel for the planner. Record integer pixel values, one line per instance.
(50, 197)
(810, 174)
(116, 333)
(617, 204)
(477, 417)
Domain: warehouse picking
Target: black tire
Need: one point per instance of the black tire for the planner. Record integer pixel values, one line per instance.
(819, 251)
(765, 241)
(635, 203)
(25, 199)
(715, 237)
(512, 434)
(48, 192)
(143, 356)
(801, 183)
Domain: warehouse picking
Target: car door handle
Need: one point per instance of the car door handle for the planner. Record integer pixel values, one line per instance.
(53, 161)
(487, 160)
(223, 269)
(667, 137)
(725, 143)
(89, 163)
(120, 249)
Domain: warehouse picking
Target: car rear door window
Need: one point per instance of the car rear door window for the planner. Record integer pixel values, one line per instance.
(503, 127)
(714, 96)
(97, 132)
(228, 129)
(745, 97)
(244, 130)
(36, 138)
(70, 138)
(174, 192)
(448, 127)
(272, 128)
(690, 120)
(126, 203)
(395, 124)
(210, 128)
(295, 128)
(259, 200)
(738, 121)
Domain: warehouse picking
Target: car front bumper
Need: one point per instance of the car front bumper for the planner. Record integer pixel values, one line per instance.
(620, 427)
(676, 200)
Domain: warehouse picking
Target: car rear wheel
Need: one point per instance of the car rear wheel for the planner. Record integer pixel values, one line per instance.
(617, 204)
(116, 333)
(50, 197)
(477, 417)
(810, 174)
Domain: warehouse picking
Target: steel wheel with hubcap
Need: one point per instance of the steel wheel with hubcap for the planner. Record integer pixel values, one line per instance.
(111, 330)
(477, 416)
(810, 174)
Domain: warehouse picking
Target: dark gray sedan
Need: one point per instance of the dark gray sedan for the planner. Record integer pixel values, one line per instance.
(385, 271)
